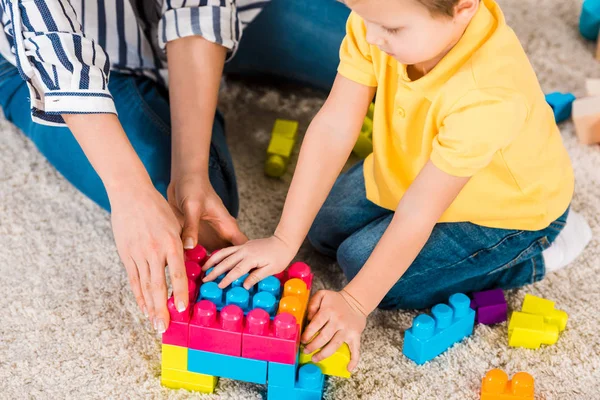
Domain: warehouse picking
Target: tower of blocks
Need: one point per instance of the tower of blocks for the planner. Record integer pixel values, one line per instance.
(364, 144)
(490, 306)
(496, 386)
(430, 336)
(248, 335)
(280, 147)
(537, 323)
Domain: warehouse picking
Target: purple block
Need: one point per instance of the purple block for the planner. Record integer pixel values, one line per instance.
(490, 305)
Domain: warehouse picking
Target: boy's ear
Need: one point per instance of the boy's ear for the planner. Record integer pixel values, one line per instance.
(464, 10)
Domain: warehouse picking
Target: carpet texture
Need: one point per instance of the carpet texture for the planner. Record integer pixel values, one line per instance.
(70, 328)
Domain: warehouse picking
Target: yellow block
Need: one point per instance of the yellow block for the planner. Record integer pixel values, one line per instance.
(364, 143)
(334, 365)
(280, 147)
(530, 331)
(174, 357)
(545, 308)
(178, 379)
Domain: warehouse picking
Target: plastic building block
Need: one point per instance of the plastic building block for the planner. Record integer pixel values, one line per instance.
(309, 386)
(294, 300)
(592, 87)
(490, 305)
(197, 254)
(193, 270)
(562, 104)
(276, 341)
(174, 357)
(589, 20)
(301, 271)
(280, 147)
(218, 332)
(178, 379)
(177, 333)
(431, 336)
(334, 365)
(545, 308)
(224, 366)
(586, 117)
(282, 375)
(530, 331)
(495, 385)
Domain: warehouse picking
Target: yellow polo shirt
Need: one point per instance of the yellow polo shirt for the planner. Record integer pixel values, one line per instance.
(479, 113)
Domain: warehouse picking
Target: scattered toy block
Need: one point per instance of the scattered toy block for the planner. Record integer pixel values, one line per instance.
(490, 306)
(334, 365)
(174, 357)
(276, 341)
(561, 104)
(309, 386)
(592, 87)
(178, 379)
(589, 20)
(530, 331)
(177, 333)
(282, 375)
(218, 332)
(224, 366)
(539, 306)
(294, 300)
(431, 336)
(586, 117)
(197, 254)
(495, 385)
(280, 147)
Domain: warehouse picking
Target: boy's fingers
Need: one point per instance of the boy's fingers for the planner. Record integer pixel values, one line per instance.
(134, 282)
(224, 266)
(314, 326)
(257, 275)
(159, 294)
(314, 304)
(354, 345)
(324, 336)
(218, 256)
(329, 348)
(238, 270)
(179, 280)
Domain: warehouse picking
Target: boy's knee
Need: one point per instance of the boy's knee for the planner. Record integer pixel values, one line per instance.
(352, 255)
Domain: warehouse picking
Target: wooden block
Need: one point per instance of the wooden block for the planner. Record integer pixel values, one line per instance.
(592, 86)
(586, 117)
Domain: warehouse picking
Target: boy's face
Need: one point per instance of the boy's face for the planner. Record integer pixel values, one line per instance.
(407, 31)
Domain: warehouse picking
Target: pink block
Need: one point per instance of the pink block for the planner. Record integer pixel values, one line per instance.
(193, 270)
(216, 332)
(177, 333)
(197, 254)
(301, 271)
(275, 341)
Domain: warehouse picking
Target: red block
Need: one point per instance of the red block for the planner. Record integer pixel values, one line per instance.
(216, 332)
(275, 341)
(301, 271)
(193, 270)
(197, 254)
(178, 332)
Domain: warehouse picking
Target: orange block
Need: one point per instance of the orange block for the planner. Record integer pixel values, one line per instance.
(586, 117)
(294, 300)
(496, 386)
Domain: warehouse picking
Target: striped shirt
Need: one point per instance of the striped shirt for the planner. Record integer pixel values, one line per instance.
(65, 49)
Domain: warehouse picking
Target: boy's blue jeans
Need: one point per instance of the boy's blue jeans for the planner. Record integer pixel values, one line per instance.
(458, 257)
(293, 39)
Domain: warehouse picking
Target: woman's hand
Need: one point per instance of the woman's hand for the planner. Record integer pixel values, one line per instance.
(205, 218)
(264, 257)
(147, 235)
(335, 318)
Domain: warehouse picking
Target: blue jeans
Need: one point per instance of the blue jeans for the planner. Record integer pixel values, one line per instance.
(458, 257)
(290, 38)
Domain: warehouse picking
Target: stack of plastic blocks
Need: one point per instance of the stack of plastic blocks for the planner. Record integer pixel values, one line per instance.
(490, 306)
(496, 386)
(537, 323)
(280, 147)
(364, 143)
(430, 336)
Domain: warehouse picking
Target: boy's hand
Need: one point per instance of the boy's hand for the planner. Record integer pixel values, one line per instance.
(335, 318)
(205, 218)
(264, 256)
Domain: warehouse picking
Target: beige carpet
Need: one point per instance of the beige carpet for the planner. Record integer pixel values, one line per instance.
(69, 326)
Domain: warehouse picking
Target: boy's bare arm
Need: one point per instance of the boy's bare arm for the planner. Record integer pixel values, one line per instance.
(420, 209)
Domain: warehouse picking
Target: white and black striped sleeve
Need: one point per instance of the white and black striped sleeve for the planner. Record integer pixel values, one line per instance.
(66, 72)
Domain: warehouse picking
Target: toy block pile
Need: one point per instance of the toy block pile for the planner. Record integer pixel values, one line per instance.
(537, 323)
(496, 386)
(283, 138)
(248, 335)
(364, 144)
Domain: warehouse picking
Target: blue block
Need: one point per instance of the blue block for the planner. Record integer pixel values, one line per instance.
(429, 337)
(589, 21)
(282, 375)
(562, 104)
(221, 365)
(309, 386)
